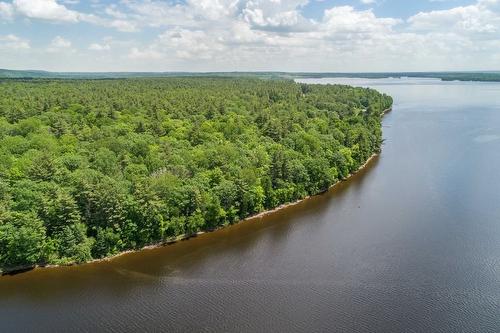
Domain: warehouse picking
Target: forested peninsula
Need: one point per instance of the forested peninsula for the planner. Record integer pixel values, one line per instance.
(90, 168)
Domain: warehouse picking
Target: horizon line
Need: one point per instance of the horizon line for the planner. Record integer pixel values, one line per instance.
(258, 71)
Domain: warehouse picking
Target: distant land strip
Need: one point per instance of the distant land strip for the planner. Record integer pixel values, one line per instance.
(485, 76)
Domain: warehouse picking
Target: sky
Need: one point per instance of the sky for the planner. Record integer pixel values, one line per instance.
(250, 35)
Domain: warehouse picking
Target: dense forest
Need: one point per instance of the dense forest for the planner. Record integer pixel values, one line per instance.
(89, 168)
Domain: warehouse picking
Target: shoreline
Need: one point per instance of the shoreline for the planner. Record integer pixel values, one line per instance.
(173, 240)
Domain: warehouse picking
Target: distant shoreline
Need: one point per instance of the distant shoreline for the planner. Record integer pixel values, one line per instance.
(477, 76)
(173, 240)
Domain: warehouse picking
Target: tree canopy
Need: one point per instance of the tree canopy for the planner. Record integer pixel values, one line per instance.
(89, 168)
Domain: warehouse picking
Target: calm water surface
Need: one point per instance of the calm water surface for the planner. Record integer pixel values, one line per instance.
(411, 244)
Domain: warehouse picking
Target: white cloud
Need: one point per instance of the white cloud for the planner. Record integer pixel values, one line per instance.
(149, 54)
(46, 10)
(99, 47)
(6, 11)
(60, 45)
(215, 9)
(469, 19)
(189, 44)
(12, 42)
(156, 13)
(51, 10)
(113, 11)
(122, 25)
(346, 20)
(266, 14)
(271, 35)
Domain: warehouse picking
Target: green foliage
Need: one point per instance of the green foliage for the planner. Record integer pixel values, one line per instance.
(107, 243)
(73, 245)
(90, 168)
(22, 238)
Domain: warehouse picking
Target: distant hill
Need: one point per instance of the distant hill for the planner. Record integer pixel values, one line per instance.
(486, 76)
(36, 74)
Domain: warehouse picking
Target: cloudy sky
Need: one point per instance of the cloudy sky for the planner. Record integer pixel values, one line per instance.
(244, 35)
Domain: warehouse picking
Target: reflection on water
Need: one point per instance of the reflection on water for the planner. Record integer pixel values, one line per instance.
(411, 243)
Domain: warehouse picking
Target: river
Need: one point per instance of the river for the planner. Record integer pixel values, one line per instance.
(411, 243)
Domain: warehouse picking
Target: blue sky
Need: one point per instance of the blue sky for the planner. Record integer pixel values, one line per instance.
(389, 8)
(228, 35)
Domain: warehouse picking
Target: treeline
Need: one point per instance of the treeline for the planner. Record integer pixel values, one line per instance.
(488, 76)
(491, 76)
(91, 168)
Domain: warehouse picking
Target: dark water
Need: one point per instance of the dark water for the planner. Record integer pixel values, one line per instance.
(411, 244)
